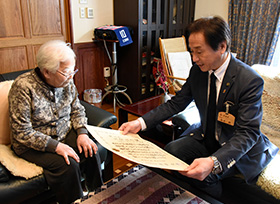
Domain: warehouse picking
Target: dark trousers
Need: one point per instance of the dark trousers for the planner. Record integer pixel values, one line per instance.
(187, 149)
(65, 180)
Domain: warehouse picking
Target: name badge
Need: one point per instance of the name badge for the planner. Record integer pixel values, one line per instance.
(226, 117)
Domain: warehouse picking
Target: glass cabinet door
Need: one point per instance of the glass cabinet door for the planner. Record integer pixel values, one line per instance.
(179, 16)
(144, 63)
(154, 18)
(145, 12)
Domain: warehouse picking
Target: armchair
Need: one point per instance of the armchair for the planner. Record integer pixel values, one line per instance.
(14, 189)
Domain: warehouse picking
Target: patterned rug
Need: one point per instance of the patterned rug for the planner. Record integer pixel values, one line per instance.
(140, 185)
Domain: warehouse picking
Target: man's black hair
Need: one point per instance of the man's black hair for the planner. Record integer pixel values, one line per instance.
(214, 29)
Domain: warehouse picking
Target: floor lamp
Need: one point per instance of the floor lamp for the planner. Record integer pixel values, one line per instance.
(115, 88)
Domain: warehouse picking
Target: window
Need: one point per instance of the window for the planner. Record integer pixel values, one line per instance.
(276, 57)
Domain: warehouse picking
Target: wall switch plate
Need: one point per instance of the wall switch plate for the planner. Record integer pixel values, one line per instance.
(83, 1)
(89, 12)
(82, 13)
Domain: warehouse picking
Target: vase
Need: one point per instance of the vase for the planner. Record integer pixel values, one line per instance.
(165, 97)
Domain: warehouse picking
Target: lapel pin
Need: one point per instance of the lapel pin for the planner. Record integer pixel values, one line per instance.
(224, 91)
(228, 84)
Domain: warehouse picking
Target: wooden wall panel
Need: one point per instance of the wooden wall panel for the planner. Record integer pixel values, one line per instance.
(14, 58)
(91, 59)
(11, 25)
(35, 49)
(49, 20)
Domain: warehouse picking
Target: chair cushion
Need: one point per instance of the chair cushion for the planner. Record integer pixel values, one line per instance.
(269, 179)
(4, 110)
(16, 165)
(180, 63)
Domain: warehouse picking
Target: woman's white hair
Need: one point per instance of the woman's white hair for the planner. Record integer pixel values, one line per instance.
(52, 53)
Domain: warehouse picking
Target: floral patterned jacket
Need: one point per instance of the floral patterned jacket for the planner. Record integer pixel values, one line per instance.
(41, 115)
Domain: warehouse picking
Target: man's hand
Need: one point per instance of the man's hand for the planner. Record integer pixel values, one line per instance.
(132, 127)
(199, 169)
(66, 151)
(85, 144)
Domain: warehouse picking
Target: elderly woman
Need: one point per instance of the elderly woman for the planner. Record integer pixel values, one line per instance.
(48, 123)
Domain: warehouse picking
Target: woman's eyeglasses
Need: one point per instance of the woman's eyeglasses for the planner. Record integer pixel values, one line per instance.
(68, 74)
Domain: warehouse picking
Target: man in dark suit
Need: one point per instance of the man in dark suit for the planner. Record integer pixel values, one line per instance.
(227, 93)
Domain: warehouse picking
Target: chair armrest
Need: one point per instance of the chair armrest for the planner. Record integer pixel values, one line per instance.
(180, 121)
(179, 78)
(4, 174)
(101, 118)
(98, 117)
(187, 117)
(12, 75)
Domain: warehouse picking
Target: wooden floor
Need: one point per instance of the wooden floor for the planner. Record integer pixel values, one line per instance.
(119, 164)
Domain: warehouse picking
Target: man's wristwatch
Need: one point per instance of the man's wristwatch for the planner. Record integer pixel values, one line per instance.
(217, 165)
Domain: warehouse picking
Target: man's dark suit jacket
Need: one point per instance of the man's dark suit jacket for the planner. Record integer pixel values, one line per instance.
(243, 144)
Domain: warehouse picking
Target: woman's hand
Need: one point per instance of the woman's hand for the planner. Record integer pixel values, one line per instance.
(87, 145)
(66, 151)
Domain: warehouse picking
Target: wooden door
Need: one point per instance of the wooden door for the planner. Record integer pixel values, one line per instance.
(27, 24)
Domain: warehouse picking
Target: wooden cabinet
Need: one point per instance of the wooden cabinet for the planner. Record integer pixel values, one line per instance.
(91, 59)
(149, 19)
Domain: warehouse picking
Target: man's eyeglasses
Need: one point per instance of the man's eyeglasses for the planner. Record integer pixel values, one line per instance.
(69, 74)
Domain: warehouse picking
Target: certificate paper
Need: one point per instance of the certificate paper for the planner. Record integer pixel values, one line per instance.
(132, 147)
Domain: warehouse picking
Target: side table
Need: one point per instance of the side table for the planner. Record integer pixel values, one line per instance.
(139, 109)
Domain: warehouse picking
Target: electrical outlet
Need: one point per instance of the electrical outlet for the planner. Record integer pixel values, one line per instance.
(83, 1)
(82, 13)
(89, 12)
(106, 72)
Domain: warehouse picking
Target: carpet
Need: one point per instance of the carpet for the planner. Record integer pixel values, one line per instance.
(140, 185)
